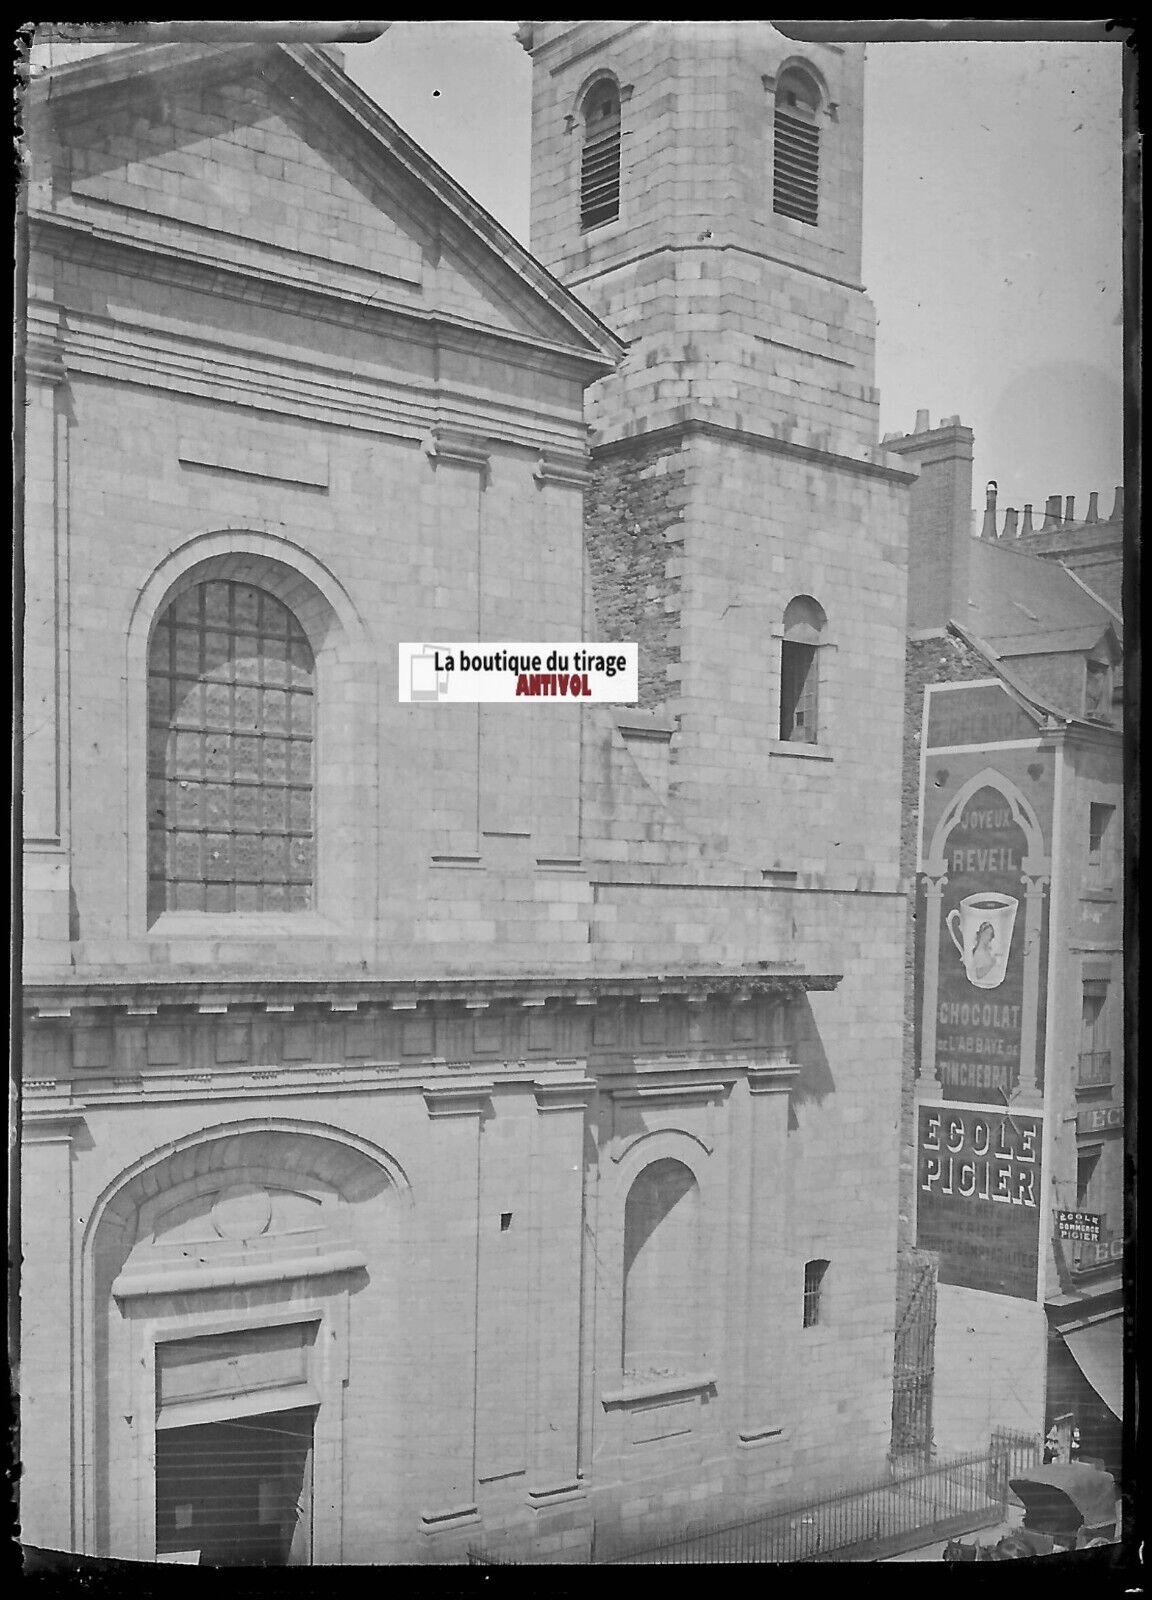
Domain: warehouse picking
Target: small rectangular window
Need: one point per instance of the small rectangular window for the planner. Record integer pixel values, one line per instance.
(814, 1275)
(798, 680)
(1087, 1161)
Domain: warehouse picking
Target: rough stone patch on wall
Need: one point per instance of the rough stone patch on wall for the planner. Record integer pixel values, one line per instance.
(634, 501)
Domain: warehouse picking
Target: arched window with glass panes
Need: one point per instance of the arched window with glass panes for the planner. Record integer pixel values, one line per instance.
(796, 157)
(231, 720)
(600, 155)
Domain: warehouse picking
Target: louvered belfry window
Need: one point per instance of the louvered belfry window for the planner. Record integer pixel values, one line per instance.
(230, 747)
(600, 160)
(796, 164)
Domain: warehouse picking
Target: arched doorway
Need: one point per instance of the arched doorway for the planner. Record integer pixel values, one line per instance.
(224, 1276)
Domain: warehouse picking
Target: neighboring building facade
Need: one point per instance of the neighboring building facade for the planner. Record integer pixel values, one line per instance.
(451, 1126)
(1013, 786)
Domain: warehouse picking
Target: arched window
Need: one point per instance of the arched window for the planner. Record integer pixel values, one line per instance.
(804, 624)
(600, 157)
(796, 163)
(230, 734)
(663, 1313)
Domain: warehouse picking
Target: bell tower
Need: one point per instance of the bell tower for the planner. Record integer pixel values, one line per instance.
(699, 186)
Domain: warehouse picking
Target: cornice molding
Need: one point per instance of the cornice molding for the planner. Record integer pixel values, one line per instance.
(457, 1099)
(236, 375)
(457, 448)
(554, 467)
(124, 991)
(183, 265)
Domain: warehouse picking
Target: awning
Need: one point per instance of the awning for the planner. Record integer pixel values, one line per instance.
(1098, 1350)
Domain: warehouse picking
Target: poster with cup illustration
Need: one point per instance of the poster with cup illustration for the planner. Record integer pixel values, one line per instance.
(983, 889)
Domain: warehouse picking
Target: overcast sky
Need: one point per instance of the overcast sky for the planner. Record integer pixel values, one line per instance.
(992, 227)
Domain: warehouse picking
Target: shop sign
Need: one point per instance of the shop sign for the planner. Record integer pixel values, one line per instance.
(1082, 1225)
(976, 714)
(978, 1194)
(1098, 1119)
(1098, 1255)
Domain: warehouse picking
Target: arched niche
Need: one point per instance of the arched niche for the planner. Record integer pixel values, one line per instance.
(222, 1278)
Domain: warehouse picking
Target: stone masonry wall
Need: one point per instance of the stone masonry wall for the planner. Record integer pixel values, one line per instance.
(631, 505)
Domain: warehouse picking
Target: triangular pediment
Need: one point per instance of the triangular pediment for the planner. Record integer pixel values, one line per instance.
(272, 161)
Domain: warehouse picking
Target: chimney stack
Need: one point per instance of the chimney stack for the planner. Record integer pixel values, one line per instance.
(988, 531)
(1118, 507)
(1051, 513)
(939, 520)
(1093, 507)
(1009, 523)
(1026, 525)
(1070, 508)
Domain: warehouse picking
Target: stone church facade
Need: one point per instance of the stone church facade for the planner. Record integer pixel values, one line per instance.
(453, 1126)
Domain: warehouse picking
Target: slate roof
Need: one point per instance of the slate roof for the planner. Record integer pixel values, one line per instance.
(1023, 605)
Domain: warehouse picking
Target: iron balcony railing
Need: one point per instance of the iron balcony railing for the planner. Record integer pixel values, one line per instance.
(1094, 1067)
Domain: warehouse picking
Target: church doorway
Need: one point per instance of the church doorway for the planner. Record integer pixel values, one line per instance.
(237, 1492)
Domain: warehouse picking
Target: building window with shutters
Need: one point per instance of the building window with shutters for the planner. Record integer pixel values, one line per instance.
(230, 754)
(804, 627)
(796, 148)
(1094, 1068)
(600, 156)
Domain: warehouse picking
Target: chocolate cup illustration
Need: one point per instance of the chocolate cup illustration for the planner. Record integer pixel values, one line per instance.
(986, 921)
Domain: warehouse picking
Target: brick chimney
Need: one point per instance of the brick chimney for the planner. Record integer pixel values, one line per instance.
(1026, 525)
(1009, 523)
(1051, 513)
(939, 520)
(1093, 507)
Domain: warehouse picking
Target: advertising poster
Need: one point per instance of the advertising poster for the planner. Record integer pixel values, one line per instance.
(978, 1193)
(982, 898)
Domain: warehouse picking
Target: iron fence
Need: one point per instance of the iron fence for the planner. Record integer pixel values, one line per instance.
(906, 1507)
(910, 1506)
(1013, 1453)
